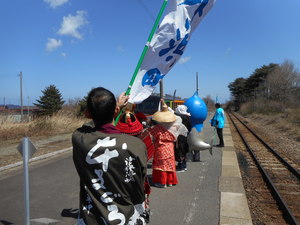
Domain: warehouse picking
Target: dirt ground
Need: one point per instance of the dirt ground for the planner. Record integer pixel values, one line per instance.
(283, 136)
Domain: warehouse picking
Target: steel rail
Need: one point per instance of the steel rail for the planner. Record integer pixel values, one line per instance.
(287, 213)
(287, 164)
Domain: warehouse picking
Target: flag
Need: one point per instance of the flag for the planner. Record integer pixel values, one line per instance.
(168, 44)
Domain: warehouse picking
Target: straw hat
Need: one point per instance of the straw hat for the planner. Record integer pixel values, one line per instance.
(129, 124)
(164, 116)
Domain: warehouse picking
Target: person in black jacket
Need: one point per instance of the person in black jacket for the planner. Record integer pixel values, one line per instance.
(111, 166)
(182, 146)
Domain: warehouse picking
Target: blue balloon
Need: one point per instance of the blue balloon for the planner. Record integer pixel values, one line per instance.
(198, 110)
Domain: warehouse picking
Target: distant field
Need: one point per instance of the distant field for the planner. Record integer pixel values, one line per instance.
(62, 122)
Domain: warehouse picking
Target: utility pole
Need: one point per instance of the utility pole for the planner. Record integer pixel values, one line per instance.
(161, 89)
(197, 88)
(4, 105)
(28, 109)
(21, 95)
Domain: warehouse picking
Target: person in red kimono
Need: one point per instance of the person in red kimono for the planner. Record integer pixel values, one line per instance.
(129, 124)
(164, 134)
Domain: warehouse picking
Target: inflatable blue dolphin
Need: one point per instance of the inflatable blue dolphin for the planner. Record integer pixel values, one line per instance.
(198, 110)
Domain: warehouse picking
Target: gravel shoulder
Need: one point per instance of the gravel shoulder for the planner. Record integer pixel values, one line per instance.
(285, 139)
(9, 153)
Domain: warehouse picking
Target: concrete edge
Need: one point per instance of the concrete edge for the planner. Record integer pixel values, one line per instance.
(234, 208)
(36, 158)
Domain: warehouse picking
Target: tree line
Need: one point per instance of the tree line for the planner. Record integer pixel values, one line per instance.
(275, 86)
(272, 87)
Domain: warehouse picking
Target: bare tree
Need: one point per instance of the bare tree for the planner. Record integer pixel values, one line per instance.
(283, 83)
(210, 103)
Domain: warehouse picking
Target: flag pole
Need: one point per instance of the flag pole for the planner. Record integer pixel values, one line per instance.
(146, 46)
(162, 8)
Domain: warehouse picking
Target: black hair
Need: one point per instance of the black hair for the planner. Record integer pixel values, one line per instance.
(217, 105)
(101, 104)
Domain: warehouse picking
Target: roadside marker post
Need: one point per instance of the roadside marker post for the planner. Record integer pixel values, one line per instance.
(27, 149)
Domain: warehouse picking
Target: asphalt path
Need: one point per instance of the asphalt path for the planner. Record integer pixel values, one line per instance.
(195, 200)
(54, 188)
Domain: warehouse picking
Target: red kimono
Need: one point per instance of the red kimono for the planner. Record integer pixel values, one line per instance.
(163, 166)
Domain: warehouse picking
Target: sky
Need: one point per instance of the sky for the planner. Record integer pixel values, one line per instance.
(77, 45)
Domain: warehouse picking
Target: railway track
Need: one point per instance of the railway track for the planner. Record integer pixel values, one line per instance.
(279, 186)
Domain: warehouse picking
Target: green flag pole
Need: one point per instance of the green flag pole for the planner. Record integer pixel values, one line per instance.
(144, 51)
(147, 45)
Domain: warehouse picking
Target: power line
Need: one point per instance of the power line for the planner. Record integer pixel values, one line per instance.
(21, 95)
(146, 9)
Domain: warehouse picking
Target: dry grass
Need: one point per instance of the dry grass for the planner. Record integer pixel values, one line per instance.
(62, 122)
(262, 106)
(293, 115)
(278, 123)
(278, 115)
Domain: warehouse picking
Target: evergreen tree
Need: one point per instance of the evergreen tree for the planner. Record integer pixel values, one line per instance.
(82, 106)
(257, 81)
(51, 101)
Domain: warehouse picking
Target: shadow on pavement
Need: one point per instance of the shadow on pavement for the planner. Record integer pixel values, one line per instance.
(4, 222)
(73, 213)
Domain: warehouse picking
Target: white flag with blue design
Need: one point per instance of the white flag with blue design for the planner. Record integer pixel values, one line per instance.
(168, 44)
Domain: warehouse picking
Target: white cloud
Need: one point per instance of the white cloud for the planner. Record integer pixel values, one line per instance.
(72, 24)
(183, 60)
(52, 44)
(63, 54)
(55, 3)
